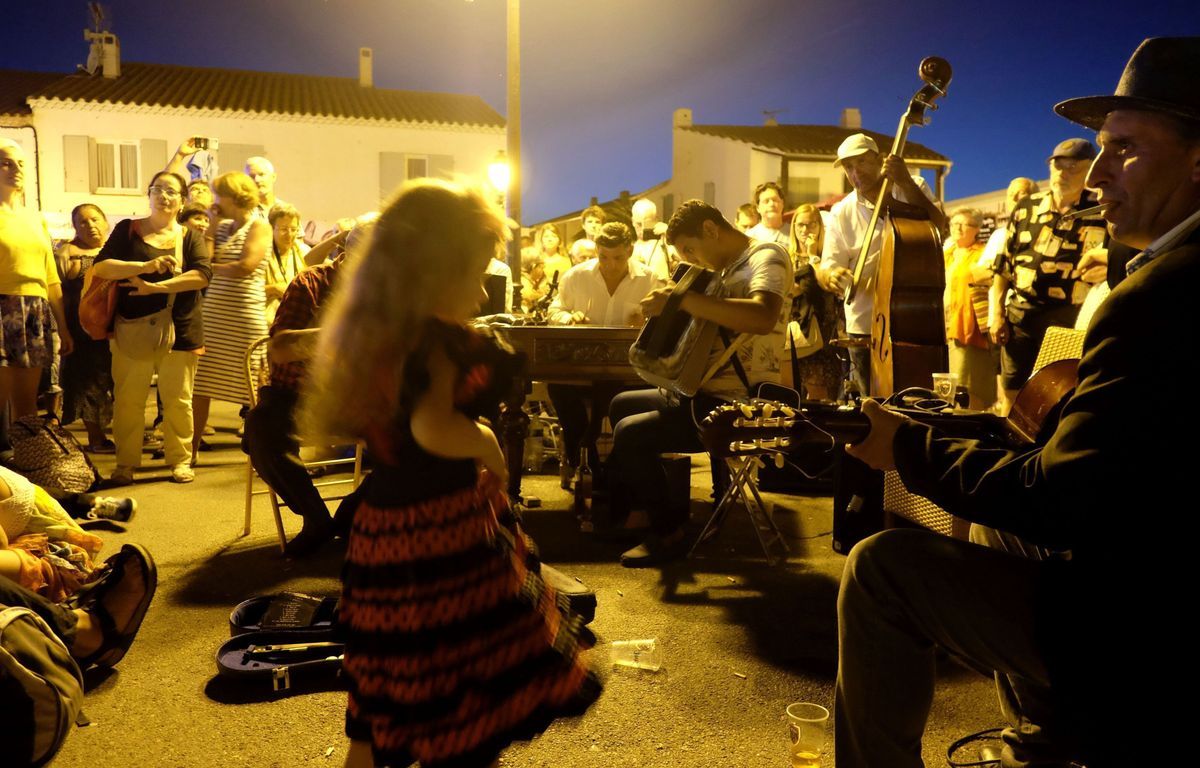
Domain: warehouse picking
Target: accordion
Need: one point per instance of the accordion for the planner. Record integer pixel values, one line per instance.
(672, 349)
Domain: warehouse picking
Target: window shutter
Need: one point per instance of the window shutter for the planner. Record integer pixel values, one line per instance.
(77, 164)
(391, 173)
(153, 157)
(710, 192)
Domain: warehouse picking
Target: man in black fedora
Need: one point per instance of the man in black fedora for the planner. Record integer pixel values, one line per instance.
(1100, 631)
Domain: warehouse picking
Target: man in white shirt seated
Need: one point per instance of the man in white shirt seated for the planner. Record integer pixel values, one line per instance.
(607, 290)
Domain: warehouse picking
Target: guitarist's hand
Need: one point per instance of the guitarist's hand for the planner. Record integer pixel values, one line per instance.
(876, 449)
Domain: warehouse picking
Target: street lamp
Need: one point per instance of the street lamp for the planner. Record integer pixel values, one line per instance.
(500, 174)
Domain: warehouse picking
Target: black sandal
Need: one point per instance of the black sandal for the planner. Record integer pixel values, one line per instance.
(115, 641)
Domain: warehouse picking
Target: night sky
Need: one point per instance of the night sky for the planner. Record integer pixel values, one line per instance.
(601, 78)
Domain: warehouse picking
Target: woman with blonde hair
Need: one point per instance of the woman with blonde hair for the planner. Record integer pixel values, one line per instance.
(820, 373)
(968, 280)
(30, 292)
(455, 646)
(236, 301)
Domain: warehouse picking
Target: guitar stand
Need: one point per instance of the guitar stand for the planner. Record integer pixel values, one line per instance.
(742, 474)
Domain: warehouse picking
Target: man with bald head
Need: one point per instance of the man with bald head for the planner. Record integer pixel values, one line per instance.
(262, 172)
(651, 249)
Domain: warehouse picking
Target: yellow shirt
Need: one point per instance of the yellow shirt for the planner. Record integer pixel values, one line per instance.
(27, 265)
(556, 263)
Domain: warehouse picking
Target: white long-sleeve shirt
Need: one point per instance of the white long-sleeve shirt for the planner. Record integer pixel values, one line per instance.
(583, 289)
(844, 233)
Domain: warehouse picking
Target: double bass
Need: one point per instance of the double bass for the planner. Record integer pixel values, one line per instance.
(908, 330)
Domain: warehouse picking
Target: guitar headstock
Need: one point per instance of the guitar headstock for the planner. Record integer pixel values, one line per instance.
(758, 428)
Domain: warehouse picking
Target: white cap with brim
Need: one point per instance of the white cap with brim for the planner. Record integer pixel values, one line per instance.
(855, 145)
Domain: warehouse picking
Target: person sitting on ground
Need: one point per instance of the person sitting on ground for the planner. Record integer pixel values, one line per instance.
(41, 547)
(100, 623)
(270, 438)
(87, 372)
(286, 259)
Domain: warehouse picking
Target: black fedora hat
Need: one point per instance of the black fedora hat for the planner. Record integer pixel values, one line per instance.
(1161, 76)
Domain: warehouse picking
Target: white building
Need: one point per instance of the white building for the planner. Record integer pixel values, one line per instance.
(722, 164)
(339, 145)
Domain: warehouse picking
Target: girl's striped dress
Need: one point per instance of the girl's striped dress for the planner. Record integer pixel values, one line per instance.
(454, 644)
(234, 317)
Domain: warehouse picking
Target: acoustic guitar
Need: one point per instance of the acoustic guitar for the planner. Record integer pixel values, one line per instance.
(760, 428)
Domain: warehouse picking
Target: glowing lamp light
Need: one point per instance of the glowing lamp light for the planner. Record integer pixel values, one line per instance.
(499, 173)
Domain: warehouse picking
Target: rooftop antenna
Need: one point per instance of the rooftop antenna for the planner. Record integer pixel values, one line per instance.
(770, 116)
(100, 26)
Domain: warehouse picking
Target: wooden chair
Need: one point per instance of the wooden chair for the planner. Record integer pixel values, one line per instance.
(257, 376)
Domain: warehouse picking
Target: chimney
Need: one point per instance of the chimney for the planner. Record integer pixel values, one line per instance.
(105, 53)
(365, 74)
(682, 118)
(851, 118)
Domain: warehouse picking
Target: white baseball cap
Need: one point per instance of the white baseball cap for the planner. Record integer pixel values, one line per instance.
(855, 145)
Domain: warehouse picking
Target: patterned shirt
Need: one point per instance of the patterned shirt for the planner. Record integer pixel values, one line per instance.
(1041, 252)
(297, 311)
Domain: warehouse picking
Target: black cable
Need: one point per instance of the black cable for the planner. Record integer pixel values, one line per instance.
(991, 734)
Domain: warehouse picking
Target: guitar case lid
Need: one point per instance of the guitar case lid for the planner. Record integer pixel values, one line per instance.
(285, 611)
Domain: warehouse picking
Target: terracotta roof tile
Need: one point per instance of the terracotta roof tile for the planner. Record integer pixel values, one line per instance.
(15, 87)
(821, 140)
(170, 85)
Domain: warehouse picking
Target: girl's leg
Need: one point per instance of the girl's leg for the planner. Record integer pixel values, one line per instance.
(359, 755)
(19, 386)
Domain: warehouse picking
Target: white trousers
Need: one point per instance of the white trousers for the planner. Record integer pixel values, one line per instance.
(131, 383)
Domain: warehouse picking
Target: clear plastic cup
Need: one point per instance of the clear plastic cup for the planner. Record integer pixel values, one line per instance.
(638, 654)
(806, 726)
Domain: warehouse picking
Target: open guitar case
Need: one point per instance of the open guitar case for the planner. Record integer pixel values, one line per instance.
(283, 645)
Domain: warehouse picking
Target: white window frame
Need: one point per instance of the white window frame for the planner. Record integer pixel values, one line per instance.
(124, 186)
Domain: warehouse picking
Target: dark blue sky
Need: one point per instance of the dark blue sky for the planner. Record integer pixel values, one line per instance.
(601, 77)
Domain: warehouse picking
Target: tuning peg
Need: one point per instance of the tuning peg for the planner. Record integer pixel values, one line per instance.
(788, 411)
(747, 411)
(779, 461)
(767, 410)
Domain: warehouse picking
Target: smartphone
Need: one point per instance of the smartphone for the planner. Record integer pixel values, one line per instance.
(203, 142)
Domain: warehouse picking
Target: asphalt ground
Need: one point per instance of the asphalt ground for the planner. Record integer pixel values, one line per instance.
(740, 639)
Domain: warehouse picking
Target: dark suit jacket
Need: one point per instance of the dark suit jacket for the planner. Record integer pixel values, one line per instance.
(1116, 485)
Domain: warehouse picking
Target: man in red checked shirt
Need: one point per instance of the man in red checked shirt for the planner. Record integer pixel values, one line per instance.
(271, 425)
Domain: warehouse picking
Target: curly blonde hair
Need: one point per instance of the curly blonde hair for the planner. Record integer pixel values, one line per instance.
(429, 235)
(794, 242)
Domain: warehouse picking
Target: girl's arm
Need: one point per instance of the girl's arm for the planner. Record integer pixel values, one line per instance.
(442, 430)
